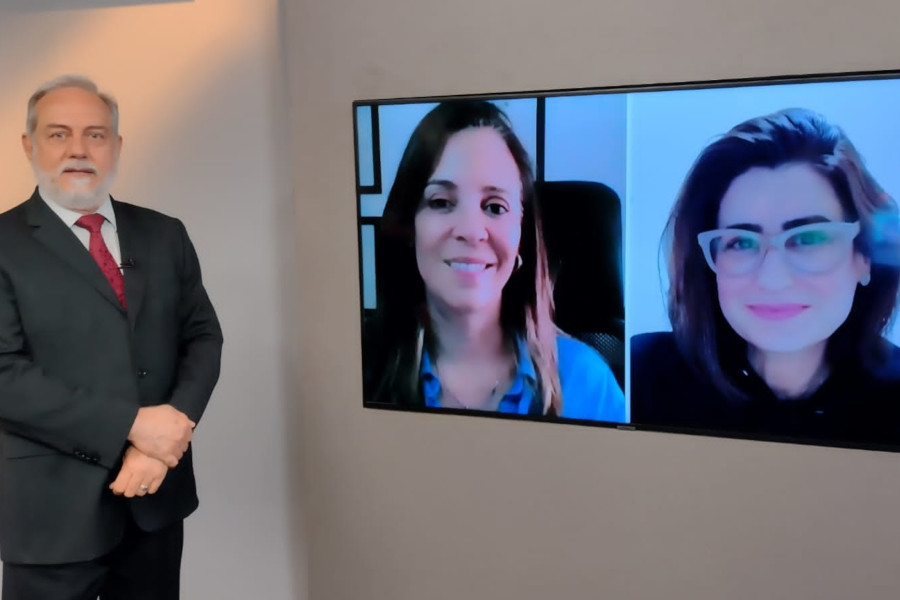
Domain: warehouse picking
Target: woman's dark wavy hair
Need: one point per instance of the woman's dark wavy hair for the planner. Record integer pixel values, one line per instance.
(785, 137)
(526, 304)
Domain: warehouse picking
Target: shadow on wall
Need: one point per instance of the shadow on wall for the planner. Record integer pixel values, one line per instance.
(28, 6)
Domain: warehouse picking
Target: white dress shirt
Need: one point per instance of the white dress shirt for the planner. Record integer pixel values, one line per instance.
(107, 230)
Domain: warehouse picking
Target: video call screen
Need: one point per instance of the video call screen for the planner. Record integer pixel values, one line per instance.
(715, 258)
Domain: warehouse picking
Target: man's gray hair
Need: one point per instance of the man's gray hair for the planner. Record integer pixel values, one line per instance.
(64, 81)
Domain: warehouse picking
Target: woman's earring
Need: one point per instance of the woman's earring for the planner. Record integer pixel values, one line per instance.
(865, 279)
(518, 264)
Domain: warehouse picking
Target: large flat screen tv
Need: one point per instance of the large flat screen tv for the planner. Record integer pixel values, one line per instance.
(715, 258)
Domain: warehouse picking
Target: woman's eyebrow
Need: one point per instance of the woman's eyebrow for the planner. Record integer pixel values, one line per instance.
(804, 221)
(784, 226)
(444, 183)
(745, 227)
(451, 186)
(494, 189)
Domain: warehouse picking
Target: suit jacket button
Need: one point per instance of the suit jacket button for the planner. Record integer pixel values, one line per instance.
(142, 373)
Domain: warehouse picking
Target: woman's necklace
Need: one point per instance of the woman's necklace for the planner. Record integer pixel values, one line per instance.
(490, 402)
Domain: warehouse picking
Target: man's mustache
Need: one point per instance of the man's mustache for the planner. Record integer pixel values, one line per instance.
(77, 165)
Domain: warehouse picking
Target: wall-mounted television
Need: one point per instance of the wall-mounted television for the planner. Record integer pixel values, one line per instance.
(714, 258)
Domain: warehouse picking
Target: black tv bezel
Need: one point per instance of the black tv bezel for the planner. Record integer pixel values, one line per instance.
(540, 95)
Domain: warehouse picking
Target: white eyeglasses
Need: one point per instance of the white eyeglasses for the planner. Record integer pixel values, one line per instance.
(812, 248)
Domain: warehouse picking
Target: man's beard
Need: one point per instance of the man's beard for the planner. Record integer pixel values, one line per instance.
(79, 198)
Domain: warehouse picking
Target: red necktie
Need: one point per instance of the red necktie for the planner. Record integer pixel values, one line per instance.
(101, 254)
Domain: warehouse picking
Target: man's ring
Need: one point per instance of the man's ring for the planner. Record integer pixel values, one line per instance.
(144, 488)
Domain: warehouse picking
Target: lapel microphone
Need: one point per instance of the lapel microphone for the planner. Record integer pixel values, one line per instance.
(128, 263)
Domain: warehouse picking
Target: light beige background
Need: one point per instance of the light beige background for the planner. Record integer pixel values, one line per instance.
(237, 117)
(203, 114)
(415, 507)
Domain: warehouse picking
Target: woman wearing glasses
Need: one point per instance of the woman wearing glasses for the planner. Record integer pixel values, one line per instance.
(783, 263)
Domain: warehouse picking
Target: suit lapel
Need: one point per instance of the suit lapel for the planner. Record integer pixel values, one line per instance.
(133, 246)
(50, 231)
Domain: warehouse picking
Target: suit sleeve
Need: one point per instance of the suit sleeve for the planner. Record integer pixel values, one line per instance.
(36, 406)
(200, 338)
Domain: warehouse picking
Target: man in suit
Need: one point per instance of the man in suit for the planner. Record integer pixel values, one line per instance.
(109, 352)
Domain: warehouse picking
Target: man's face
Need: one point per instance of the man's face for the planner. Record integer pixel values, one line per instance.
(74, 150)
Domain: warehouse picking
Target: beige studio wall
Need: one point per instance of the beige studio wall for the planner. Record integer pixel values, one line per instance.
(301, 486)
(413, 507)
(203, 107)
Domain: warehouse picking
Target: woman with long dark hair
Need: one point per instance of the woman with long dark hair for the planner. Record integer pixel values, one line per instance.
(465, 299)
